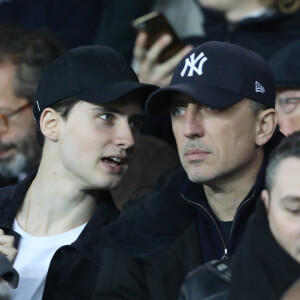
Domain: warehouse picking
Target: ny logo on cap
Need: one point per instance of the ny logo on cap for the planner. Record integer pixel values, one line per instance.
(259, 88)
(191, 62)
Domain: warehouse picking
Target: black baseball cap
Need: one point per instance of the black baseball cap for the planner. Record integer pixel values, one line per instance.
(218, 74)
(285, 66)
(96, 74)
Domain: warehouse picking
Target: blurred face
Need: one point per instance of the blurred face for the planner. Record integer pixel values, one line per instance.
(19, 150)
(214, 144)
(283, 206)
(288, 111)
(96, 142)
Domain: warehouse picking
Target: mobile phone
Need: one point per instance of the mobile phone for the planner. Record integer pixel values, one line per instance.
(155, 24)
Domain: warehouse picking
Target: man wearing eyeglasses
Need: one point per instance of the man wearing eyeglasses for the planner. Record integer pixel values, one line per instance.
(286, 69)
(23, 56)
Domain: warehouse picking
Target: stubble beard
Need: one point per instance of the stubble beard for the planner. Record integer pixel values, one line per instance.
(27, 158)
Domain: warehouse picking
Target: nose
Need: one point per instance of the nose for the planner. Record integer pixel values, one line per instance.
(124, 137)
(193, 123)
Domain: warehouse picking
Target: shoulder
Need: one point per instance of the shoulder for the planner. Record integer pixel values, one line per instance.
(209, 280)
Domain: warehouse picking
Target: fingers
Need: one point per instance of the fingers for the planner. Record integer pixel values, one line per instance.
(139, 48)
(9, 252)
(7, 240)
(150, 56)
(156, 49)
(172, 62)
(149, 70)
(7, 246)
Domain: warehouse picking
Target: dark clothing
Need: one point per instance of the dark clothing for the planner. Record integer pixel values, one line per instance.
(161, 235)
(262, 269)
(7, 272)
(75, 21)
(73, 269)
(209, 281)
(266, 34)
(7, 181)
(115, 29)
(151, 158)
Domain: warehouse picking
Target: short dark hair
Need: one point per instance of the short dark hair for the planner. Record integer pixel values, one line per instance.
(288, 147)
(257, 107)
(30, 51)
(64, 108)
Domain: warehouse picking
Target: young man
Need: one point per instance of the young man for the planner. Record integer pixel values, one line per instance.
(24, 54)
(268, 261)
(222, 100)
(88, 110)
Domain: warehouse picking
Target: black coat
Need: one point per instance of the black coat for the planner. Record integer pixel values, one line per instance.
(262, 269)
(73, 269)
(7, 272)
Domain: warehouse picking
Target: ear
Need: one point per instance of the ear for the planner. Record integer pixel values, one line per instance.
(266, 124)
(265, 199)
(49, 123)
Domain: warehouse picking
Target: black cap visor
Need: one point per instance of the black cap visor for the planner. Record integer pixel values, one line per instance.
(210, 96)
(106, 93)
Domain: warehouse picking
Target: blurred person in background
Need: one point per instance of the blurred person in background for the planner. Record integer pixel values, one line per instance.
(24, 54)
(264, 26)
(285, 66)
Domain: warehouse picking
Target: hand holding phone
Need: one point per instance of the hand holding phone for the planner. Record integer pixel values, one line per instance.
(156, 25)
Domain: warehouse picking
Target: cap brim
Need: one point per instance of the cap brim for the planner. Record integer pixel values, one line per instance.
(108, 93)
(210, 96)
(114, 91)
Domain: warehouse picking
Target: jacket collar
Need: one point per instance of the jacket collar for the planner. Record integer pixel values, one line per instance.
(261, 269)
(91, 240)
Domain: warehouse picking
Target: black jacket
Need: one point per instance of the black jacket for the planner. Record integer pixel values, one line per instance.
(265, 35)
(73, 269)
(7, 272)
(158, 239)
(260, 270)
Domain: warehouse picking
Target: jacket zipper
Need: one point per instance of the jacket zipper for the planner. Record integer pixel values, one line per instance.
(221, 237)
(216, 225)
(239, 208)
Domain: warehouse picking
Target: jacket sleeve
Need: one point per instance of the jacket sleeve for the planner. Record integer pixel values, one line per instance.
(120, 277)
(7, 272)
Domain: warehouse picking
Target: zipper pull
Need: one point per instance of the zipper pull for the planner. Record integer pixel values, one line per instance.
(225, 254)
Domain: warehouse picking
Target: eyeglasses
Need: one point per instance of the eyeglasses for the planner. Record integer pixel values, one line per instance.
(287, 104)
(4, 124)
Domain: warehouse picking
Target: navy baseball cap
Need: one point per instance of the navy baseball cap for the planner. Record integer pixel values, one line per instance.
(285, 66)
(217, 75)
(96, 74)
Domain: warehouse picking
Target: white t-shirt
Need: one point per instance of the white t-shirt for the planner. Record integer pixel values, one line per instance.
(33, 260)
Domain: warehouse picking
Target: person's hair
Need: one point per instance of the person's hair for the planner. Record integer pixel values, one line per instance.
(30, 51)
(257, 107)
(64, 108)
(288, 147)
(285, 6)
